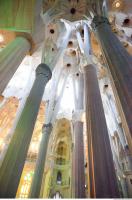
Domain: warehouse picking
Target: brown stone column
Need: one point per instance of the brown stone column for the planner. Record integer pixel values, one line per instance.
(120, 67)
(102, 177)
(78, 151)
(79, 176)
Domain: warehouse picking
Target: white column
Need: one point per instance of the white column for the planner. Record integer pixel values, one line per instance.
(86, 40)
(58, 101)
(80, 42)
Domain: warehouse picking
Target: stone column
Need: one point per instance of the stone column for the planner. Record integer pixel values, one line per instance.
(78, 151)
(10, 59)
(120, 67)
(40, 165)
(12, 166)
(102, 177)
(79, 175)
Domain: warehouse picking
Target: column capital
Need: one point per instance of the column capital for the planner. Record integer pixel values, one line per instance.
(90, 66)
(78, 115)
(44, 69)
(98, 20)
(47, 127)
(29, 38)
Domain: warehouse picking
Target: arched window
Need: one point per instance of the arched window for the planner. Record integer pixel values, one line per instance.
(23, 192)
(61, 153)
(59, 178)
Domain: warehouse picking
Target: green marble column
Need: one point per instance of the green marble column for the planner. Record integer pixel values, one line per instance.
(102, 177)
(10, 59)
(40, 165)
(12, 166)
(120, 66)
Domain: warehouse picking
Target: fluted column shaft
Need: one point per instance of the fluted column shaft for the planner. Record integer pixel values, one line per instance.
(79, 170)
(12, 166)
(10, 59)
(40, 165)
(102, 178)
(79, 175)
(120, 66)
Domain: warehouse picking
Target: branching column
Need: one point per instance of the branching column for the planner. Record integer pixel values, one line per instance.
(40, 165)
(102, 177)
(12, 166)
(79, 170)
(10, 59)
(120, 66)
